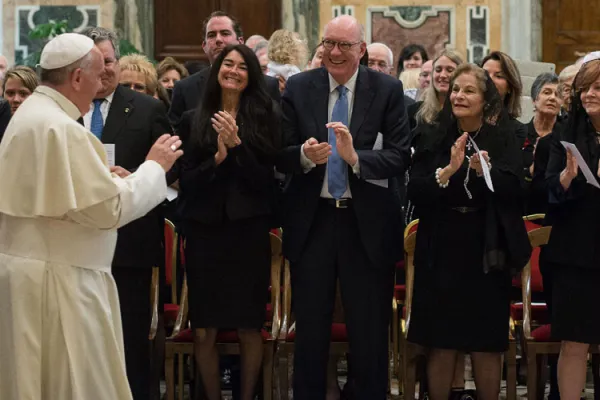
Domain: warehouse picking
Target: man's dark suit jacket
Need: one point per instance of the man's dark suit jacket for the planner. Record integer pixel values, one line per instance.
(135, 120)
(188, 92)
(378, 107)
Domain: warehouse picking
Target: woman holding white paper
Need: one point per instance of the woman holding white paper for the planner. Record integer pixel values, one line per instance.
(463, 263)
(573, 248)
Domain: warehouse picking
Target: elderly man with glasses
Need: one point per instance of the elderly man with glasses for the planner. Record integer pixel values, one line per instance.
(346, 132)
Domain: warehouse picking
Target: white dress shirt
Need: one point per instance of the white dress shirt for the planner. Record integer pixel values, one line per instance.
(306, 163)
(104, 108)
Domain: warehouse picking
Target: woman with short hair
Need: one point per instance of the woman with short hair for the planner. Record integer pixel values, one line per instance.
(470, 238)
(547, 103)
(170, 72)
(18, 84)
(572, 250)
(138, 73)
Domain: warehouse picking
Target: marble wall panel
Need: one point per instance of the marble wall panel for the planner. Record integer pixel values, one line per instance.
(20, 16)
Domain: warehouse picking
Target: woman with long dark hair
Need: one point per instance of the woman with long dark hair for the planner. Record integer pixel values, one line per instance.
(227, 185)
(470, 238)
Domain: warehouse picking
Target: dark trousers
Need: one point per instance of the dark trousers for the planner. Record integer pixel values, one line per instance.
(133, 285)
(334, 251)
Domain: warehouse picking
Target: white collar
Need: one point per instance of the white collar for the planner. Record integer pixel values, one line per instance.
(109, 98)
(350, 85)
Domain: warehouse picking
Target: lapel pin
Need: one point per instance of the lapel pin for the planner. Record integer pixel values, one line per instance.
(126, 110)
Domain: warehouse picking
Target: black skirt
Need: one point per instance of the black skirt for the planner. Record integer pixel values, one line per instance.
(456, 305)
(575, 299)
(228, 271)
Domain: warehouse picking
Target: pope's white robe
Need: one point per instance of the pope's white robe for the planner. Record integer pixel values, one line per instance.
(60, 324)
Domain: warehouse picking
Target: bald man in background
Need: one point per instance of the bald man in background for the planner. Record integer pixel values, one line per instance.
(381, 59)
(253, 40)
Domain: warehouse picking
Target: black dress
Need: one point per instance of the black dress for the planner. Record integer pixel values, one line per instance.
(456, 304)
(226, 216)
(573, 251)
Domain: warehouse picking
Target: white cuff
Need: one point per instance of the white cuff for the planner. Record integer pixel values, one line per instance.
(356, 168)
(305, 162)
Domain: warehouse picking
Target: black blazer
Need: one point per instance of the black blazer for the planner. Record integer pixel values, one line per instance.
(573, 214)
(378, 107)
(4, 117)
(242, 186)
(135, 120)
(188, 92)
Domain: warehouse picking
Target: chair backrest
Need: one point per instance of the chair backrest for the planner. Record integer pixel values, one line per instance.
(533, 222)
(171, 258)
(537, 237)
(411, 227)
(410, 241)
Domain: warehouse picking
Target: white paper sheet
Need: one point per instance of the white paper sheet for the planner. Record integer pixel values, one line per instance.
(110, 153)
(172, 194)
(589, 175)
(484, 167)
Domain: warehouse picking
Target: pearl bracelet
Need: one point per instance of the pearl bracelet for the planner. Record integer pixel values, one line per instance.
(437, 179)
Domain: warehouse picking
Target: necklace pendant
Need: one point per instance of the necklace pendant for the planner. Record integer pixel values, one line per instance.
(469, 146)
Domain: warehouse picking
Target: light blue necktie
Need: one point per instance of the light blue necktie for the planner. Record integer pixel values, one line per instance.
(97, 124)
(337, 170)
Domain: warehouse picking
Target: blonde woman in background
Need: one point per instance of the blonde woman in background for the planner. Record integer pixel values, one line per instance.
(288, 54)
(426, 110)
(138, 73)
(565, 84)
(410, 82)
(170, 72)
(18, 84)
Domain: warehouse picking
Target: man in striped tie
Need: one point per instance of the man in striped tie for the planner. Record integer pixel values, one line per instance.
(346, 132)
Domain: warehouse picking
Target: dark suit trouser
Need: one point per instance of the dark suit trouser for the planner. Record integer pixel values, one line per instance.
(334, 250)
(133, 285)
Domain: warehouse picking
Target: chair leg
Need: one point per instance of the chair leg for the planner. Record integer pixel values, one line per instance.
(284, 380)
(180, 377)
(268, 371)
(511, 371)
(400, 361)
(170, 374)
(410, 374)
(393, 362)
(542, 376)
(596, 375)
(531, 373)
(395, 346)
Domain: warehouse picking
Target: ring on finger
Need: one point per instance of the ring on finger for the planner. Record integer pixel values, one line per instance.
(173, 147)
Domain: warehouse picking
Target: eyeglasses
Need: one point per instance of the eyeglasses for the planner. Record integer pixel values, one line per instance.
(343, 46)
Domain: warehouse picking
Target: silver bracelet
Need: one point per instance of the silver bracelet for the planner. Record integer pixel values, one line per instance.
(437, 179)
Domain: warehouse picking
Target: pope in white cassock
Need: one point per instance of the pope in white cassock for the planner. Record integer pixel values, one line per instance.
(60, 207)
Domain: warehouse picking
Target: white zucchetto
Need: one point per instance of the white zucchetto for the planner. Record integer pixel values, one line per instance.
(594, 55)
(65, 49)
